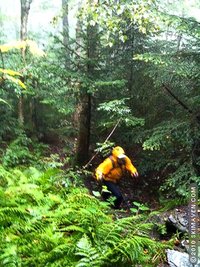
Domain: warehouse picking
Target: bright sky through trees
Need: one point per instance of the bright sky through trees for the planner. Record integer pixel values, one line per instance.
(42, 13)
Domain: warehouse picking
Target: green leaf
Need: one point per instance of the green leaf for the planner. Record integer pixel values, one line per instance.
(133, 210)
(84, 243)
(143, 208)
(137, 204)
(3, 101)
(96, 193)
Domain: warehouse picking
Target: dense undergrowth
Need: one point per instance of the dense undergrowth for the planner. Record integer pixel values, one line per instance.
(48, 218)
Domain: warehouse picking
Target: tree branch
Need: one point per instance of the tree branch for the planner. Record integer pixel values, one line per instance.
(177, 99)
(107, 138)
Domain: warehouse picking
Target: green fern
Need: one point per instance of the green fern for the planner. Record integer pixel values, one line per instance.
(46, 224)
(89, 254)
(127, 240)
(9, 256)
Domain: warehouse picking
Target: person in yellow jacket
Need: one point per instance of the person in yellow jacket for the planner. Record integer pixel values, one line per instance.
(111, 170)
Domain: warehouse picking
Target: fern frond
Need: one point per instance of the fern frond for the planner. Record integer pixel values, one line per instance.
(71, 228)
(89, 255)
(9, 256)
(25, 190)
(61, 255)
(143, 228)
(6, 177)
(12, 214)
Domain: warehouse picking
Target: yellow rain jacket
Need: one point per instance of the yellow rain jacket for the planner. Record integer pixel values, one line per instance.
(110, 167)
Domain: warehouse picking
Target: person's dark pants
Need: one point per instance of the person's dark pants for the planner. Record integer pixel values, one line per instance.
(115, 191)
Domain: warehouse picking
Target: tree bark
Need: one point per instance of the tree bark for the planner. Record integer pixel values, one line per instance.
(25, 7)
(65, 24)
(83, 140)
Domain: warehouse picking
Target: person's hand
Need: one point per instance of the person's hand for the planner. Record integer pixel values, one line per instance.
(99, 176)
(134, 174)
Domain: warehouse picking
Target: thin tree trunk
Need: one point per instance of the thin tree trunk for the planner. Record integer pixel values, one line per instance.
(21, 111)
(83, 139)
(25, 7)
(131, 68)
(179, 39)
(65, 24)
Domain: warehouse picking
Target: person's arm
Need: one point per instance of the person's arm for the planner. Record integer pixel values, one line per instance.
(131, 168)
(103, 169)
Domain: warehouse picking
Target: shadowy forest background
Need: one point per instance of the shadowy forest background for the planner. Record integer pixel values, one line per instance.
(132, 66)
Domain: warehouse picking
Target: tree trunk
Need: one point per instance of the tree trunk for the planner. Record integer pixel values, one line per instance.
(83, 140)
(25, 7)
(130, 63)
(65, 25)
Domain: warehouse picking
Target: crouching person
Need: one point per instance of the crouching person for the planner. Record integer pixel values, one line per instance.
(111, 170)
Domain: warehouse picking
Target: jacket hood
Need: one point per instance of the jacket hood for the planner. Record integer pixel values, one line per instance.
(118, 152)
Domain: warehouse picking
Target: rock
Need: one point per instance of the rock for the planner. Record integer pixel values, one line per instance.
(179, 220)
(179, 259)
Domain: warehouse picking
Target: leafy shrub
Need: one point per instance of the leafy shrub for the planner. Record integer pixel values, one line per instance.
(22, 151)
(178, 183)
(167, 154)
